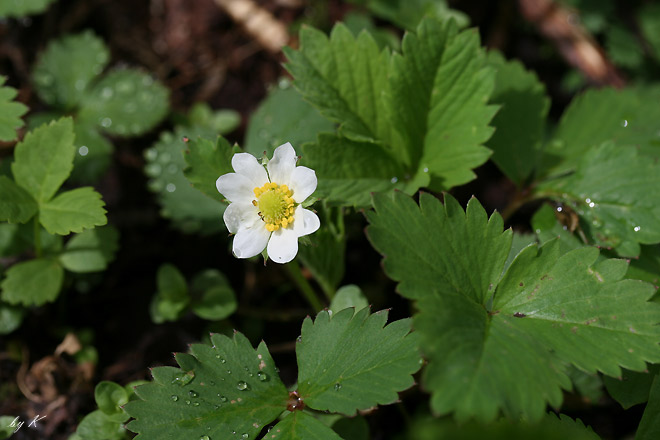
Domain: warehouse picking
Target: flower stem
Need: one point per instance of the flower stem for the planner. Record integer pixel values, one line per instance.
(305, 288)
(37, 237)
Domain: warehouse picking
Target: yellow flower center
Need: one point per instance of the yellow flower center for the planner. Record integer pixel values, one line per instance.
(275, 205)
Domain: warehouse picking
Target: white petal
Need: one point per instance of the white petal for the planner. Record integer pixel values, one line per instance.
(249, 242)
(235, 187)
(247, 165)
(283, 245)
(303, 183)
(311, 222)
(240, 216)
(282, 164)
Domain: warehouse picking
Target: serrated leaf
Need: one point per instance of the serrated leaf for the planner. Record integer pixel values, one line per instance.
(33, 282)
(66, 68)
(520, 122)
(126, 103)
(344, 77)
(348, 296)
(440, 86)
(43, 160)
(647, 266)
(20, 8)
(614, 190)
(283, 116)
(110, 397)
(500, 344)
(98, 426)
(214, 297)
(91, 250)
(172, 298)
(649, 426)
(206, 161)
(73, 211)
(16, 204)
(324, 258)
(301, 426)
(349, 171)
(217, 391)
(348, 363)
(627, 117)
(190, 209)
(10, 111)
(631, 388)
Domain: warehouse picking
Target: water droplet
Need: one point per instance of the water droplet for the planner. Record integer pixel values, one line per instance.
(223, 399)
(246, 435)
(394, 179)
(106, 122)
(624, 123)
(205, 437)
(637, 228)
(337, 386)
(195, 403)
(153, 169)
(228, 371)
(187, 402)
(426, 170)
(174, 397)
(242, 385)
(170, 187)
(150, 154)
(107, 93)
(83, 151)
(559, 209)
(262, 376)
(212, 383)
(299, 338)
(192, 393)
(284, 84)
(184, 379)
(592, 204)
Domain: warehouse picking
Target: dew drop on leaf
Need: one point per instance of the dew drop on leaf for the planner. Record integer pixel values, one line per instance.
(223, 399)
(192, 393)
(195, 403)
(262, 377)
(174, 397)
(187, 402)
(246, 435)
(242, 385)
(337, 386)
(205, 437)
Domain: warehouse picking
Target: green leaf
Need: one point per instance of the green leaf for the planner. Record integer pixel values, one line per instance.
(631, 388)
(324, 258)
(93, 153)
(354, 428)
(500, 343)
(647, 266)
(548, 227)
(91, 250)
(440, 86)
(208, 160)
(520, 241)
(344, 77)
(67, 66)
(16, 204)
(520, 122)
(416, 254)
(220, 121)
(348, 171)
(33, 282)
(628, 117)
(649, 426)
(43, 160)
(110, 397)
(10, 318)
(408, 13)
(348, 363)
(172, 298)
(190, 209)
(98, 426)
(614, 191)
(348, 296)
(283, 116)
(10, 111)
(20, 8)
(623, 47)
(73, 211)
(227, 388)
(6, 427)
(215, 299)
(301, 426)
(126, 103)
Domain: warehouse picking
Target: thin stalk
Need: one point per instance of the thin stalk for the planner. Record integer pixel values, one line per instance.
(37, 237)
(293, 269)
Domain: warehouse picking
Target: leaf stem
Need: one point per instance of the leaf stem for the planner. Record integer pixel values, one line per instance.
(37, 236)
(518, 200)
(293, 269)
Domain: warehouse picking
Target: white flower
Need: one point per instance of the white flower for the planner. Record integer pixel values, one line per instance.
(265, 210)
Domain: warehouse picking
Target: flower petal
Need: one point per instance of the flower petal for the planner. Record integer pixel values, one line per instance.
(249, 242)
(247, 165)
(311, 222)
(303, 183)
(240, 216)
(283, 245)
(282, 164)
(235, 187)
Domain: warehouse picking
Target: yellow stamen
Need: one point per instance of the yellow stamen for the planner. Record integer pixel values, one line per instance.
(276, 205)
